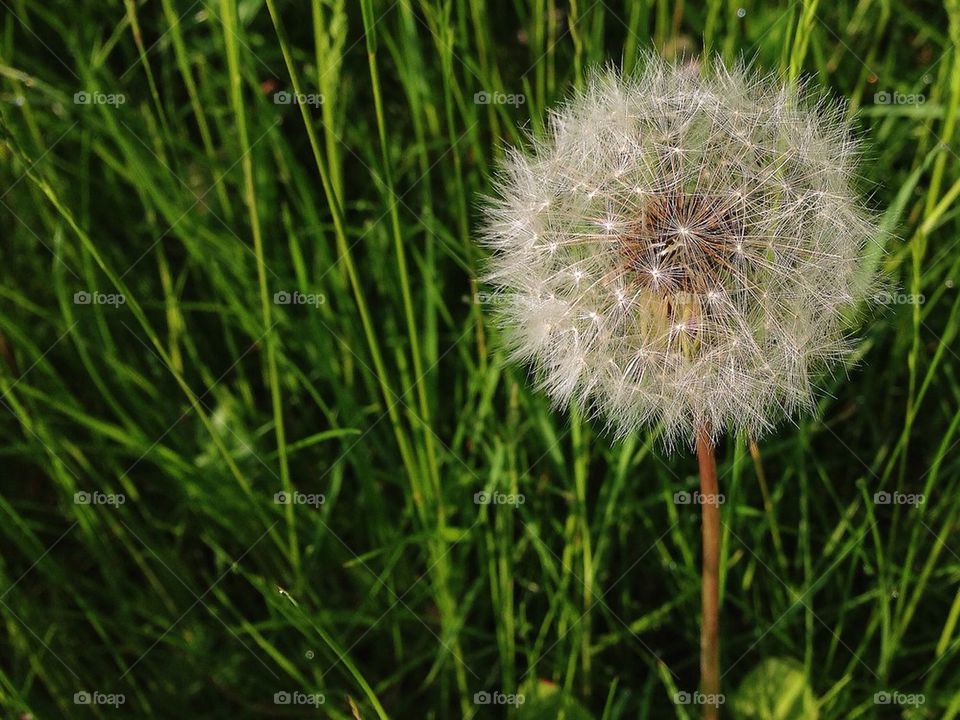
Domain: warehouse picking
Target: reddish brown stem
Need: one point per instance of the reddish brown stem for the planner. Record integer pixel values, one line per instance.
(710, 624)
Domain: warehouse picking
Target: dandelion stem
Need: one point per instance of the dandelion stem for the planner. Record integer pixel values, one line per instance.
(710, 624)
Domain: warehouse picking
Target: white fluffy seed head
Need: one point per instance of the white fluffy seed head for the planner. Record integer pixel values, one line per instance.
(682, 248)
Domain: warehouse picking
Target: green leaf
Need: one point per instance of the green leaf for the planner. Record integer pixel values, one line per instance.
(775, 690)
(544, 700)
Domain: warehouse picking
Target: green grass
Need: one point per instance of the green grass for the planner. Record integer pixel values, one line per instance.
(198, 198)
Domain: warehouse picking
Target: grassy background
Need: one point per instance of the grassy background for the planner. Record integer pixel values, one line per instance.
(199, 397)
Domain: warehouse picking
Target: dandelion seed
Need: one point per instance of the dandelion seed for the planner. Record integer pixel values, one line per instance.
(737, 237)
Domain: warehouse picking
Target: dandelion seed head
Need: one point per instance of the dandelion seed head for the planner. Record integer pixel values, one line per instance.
(697, 246)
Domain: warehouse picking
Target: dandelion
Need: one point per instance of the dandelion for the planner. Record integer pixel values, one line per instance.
(682, 249)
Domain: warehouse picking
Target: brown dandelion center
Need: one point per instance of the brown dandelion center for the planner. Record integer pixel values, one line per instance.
(684, 242)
